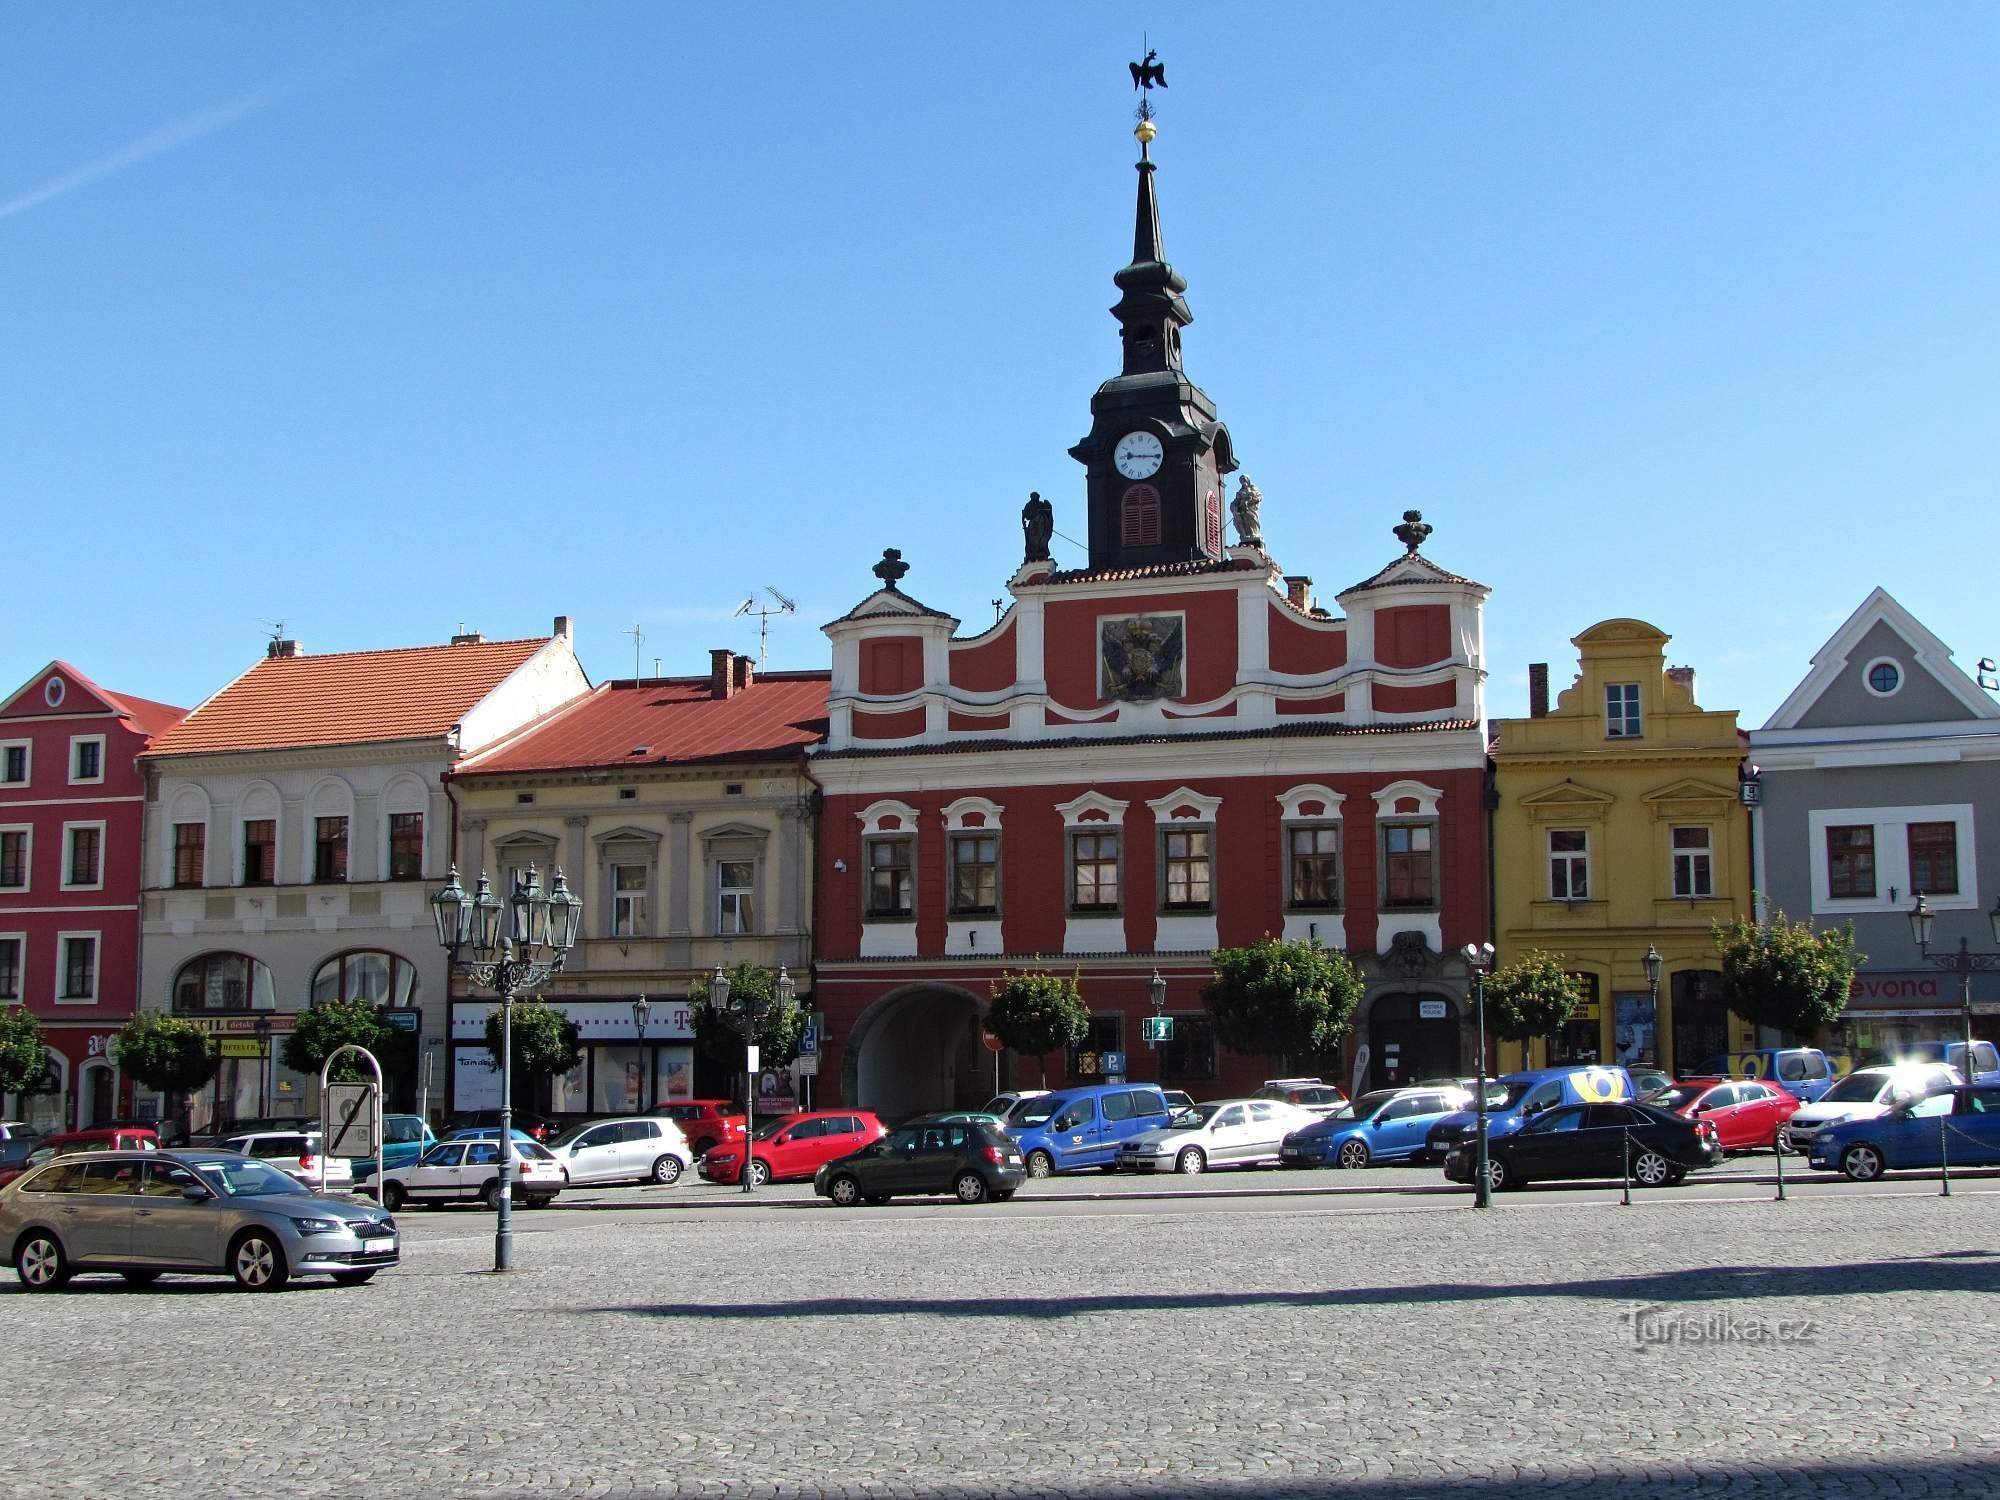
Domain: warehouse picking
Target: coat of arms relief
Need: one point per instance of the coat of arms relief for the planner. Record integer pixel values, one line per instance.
(1142, 657)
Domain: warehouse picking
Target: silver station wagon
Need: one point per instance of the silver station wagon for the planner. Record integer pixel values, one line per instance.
(140, 1214)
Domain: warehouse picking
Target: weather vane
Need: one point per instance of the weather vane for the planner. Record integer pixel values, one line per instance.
(1144, 75)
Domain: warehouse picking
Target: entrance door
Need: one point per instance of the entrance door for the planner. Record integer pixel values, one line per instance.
(1405, 1045)
(1701, 1019)
(99, 1096)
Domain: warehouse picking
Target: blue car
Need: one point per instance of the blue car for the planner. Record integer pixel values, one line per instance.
(1514, 1098)
(404, 1139)
(1387, 1125)
(1081, 1128)
(1803, 1072)
(1908, 1136)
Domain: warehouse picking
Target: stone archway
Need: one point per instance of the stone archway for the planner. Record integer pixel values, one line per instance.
(918, 1049)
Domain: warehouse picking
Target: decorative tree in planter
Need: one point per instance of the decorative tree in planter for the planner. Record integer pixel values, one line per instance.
(324, 1029)
(1787, 974)
(753, 992)
(546, 1042)
(1289, 1000)
(1034, 1014)
(168, 1054)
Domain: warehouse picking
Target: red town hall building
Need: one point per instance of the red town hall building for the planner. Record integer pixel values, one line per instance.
(72, 818)
(1170, 750)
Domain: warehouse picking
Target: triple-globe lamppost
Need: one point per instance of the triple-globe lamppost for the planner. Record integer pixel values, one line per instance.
(510, 947)
(1479, 959)
(1963, 962)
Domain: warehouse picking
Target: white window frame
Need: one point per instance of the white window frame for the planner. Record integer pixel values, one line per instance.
(85, 739)
(1630, 713)
(27, 749)
(626, 921)
(63, 940)
(1892, 857)
(723, 926)
(1675, 855)
(27, 858)
(1868, 675)
(20, 995)
(69, 829)
(1572, 860)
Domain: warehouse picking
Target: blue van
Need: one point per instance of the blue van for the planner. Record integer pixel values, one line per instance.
(1803, 1072)
(1080, 1128)
(1515, 1098)
(1985, 1058)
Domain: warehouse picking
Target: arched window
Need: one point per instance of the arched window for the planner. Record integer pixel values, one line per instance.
(1139, 517)
(366, 974)
(223, 981)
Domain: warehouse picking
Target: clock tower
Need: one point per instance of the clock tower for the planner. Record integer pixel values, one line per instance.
(1156, 454)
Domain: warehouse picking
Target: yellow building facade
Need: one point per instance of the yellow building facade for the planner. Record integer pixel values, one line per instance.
(1618, 829)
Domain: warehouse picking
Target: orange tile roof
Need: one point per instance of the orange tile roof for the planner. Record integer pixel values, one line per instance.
(348, 698)
(672, 720)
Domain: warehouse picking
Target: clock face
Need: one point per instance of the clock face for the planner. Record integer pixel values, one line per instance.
(1138, 455)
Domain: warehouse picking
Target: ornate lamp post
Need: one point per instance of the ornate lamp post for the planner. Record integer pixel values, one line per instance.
(1653, 964)
(262, 1027)
(509, 948)
(1964, 963)
(641, 1009)
(1479, 959)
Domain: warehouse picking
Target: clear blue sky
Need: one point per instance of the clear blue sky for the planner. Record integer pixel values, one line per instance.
(379, 319)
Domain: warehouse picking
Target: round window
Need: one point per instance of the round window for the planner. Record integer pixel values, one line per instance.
(1884, 677)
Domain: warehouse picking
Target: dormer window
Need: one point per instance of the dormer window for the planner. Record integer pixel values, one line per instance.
(1621, 711)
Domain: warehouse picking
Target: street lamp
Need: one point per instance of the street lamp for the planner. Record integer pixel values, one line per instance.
(1964, 963)
(1479, 959)
(640, 1011)
(262, 1026)
(521, 953)
(1653, 965)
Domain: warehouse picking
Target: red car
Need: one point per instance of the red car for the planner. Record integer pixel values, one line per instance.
(793, 1147)
(49, 1147)
(1746, 1114)
(707, 1123)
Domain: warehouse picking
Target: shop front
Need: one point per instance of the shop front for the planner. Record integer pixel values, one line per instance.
(622, 1071)
(1888, 1011)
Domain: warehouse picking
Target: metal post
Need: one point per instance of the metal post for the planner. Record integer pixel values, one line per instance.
(1778, 1150)
(1482, 1188)
(503, 1230)
(1625, 1137)
(749, 1097)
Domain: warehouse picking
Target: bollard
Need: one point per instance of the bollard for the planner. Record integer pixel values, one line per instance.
(1944, 1159)
(1778, 1150)
(1627, 1139)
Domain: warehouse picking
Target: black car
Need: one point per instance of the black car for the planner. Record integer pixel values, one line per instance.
(966, 1158)
(1594, 1140)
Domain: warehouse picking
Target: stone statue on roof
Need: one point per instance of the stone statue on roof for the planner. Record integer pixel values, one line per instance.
(1243, 513)
(1038, 524)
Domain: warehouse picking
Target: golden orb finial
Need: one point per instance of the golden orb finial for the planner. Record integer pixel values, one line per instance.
(1145, 132)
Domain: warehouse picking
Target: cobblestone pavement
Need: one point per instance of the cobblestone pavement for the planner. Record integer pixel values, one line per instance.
(1410, 1348)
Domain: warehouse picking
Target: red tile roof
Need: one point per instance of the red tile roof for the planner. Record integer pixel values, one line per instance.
(147, 717)
(348, 698)
(671, 720)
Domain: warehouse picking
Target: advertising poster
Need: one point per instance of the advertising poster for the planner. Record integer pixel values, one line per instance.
(1633, 1040)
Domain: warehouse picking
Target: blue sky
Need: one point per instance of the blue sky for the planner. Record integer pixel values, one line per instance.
(379, 319)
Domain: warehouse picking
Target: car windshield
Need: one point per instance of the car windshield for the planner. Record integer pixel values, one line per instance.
(1679, 1094)
(248, 1178)
(1193, 1118)
(772, 1126)
(1506, 1095)
(1033, 1112)
(401, 1130)
(564, 1137)
(1367, 1107)
(1855, 1088)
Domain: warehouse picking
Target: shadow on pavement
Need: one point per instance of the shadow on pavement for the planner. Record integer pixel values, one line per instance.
(1957, 1271)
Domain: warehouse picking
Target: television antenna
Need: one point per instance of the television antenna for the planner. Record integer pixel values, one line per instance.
(764, 614)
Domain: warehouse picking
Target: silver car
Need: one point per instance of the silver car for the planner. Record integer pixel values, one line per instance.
(139, 1214)
(1227, 1133)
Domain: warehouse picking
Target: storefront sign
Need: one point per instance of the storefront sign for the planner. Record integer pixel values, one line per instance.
(475, 1083)
(1433, 1010)
(1877, 989)
(232, 1046)
(775, 1095)
(223, 1025)
(595, 1020)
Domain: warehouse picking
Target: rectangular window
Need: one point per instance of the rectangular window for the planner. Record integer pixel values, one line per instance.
(329, 849)
(79, 968)
(1933, 859)
(1093, 883)
(14, 763)
(975, 874)
(83, 859)
(1621, 710)
(1315, 857)
(889, 891)
(260, 851)
(1694, 863)
(10, 969)
(406, 846)
(736, 887)
(1850, 861)
(190, 848)
(1409, 865)
(1569, 864)
(1580, 1040)
(628, 901)
(14, 859)
(1186, 857)
(87, 758)
(1106, 1034)
(1191, 1053)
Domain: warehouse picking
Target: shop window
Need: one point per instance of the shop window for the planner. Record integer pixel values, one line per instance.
(1581, 1039)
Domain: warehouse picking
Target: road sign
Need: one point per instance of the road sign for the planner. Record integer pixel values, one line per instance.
(809, 1040)
(403, 1020)
(350, 1114)
(806, 1065)
(1112, 1062)
(1158, 1028)
(993, 1043)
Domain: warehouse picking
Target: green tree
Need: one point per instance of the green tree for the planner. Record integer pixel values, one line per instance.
(170, 1054)
(1531, 997)
(1787, 974)
(753, 989)
(23, 1054)
(1285, 1000)
(324, 1029)
(1035, 1014)
(546, 1042)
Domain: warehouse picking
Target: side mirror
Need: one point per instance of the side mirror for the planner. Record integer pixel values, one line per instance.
(195, 1193)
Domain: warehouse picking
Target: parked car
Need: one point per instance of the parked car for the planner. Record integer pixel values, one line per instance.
(1864, 1094)
(1315, 1094)
(1085, 1127)
(970, 1159)
(538, 1127)
(469, 1172)
(959, 1117)
(14, 1130)
(1985, 1058)
(794, 1147)
(706, 1123)
(139, 1214)
(1593, 1140)
(486, 1133)
(1004, 1104)
(1512, 1099)
(1804, 1071)
(1908, 1135)
(643, 1148)
(71, 1142)
(1646, 1082)
(263, 1124)
(404, 1139)
(14, 1153)
(1226, 1133)
(170, 1132)
(299, 1156)
(1748, 1115)
(1387, 1125)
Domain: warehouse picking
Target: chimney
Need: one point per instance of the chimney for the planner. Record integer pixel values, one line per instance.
(468, 638)
(279, 648)
(1538, 690)
(562, 630)
(745, 673)
(1299, 592)
(1684, 676)
(722, 672)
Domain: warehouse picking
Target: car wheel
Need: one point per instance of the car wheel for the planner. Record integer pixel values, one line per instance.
(1650, 1169)
(258, 1263)
(1861, 1163)
(667, 1171)
(141, 1277)
(1191, 1162)
(1353, 1154)
(393, 1197)
(40, 1263)
(970, 1187)
(353, 1278)
(1497, 1175)
(490, 1194)
(844, 1191)
(760, 1172)
(1041, 1164)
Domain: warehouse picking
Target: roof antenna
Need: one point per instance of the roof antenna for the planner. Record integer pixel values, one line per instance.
(638, 638)
(764, 614)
